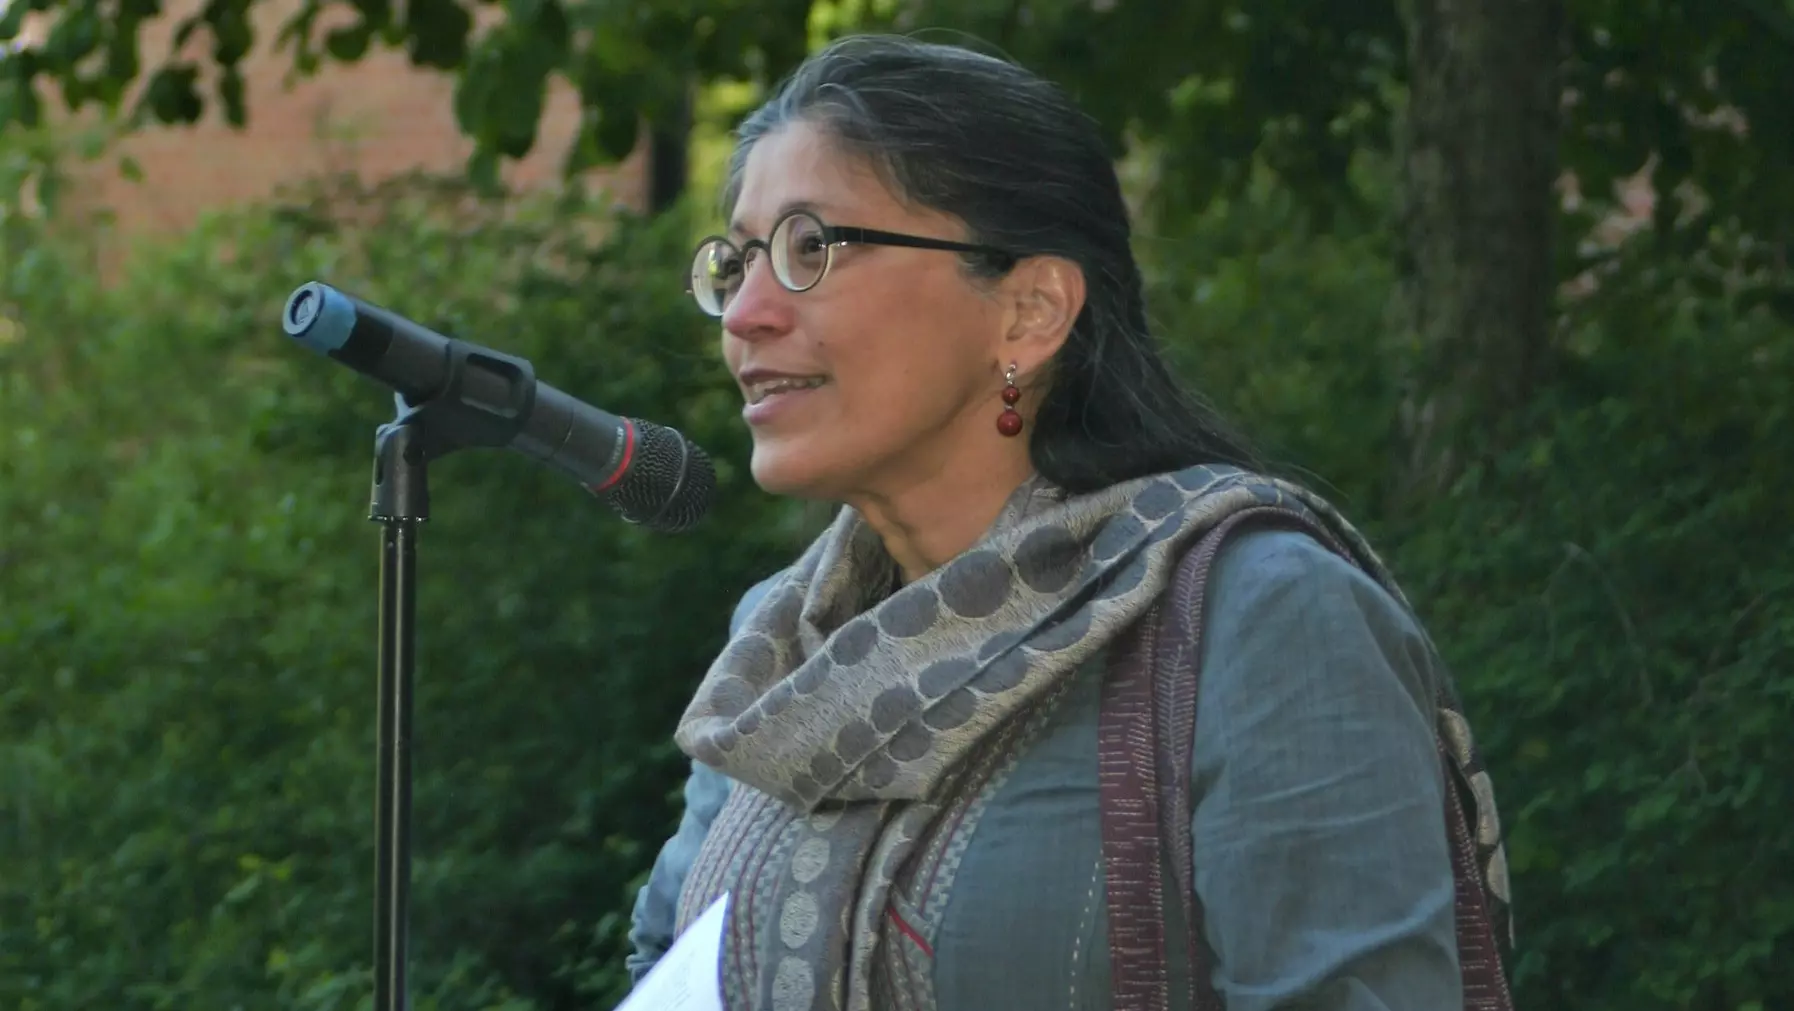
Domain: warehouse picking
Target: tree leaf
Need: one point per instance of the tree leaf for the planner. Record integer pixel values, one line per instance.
(232, 34)
(12, 18)
(377, 14)
(173, 94)
(230, 92)
(438, 31)
(482, 170)
(348, 43)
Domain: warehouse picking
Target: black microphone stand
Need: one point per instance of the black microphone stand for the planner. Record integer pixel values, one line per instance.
(462, 414)
(400, 504)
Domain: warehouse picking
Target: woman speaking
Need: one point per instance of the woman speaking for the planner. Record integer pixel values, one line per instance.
(913, 770)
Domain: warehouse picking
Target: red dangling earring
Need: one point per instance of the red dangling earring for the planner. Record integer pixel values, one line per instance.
(1009, 422)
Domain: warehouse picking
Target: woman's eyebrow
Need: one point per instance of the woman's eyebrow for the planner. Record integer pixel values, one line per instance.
(737, 227)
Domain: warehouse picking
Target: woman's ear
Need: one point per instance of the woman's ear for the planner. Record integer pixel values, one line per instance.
(1046, 294)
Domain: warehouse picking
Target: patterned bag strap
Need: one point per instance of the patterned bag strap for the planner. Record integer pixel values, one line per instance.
(1148, 716)
(1145, 740)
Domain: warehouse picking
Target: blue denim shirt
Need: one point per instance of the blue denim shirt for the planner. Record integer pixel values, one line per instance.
(1321, 867)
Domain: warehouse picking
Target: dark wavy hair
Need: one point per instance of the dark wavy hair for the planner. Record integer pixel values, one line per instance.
(1025, 170)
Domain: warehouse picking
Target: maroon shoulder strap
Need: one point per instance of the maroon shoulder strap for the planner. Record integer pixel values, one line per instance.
(1148, 720)
(1145, 739)
(1128, 790)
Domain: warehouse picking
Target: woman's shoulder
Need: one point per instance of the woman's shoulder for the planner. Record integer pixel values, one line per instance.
(1302, 610)
(1272, 565)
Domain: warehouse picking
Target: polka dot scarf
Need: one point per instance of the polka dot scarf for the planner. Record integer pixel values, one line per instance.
(848, 711)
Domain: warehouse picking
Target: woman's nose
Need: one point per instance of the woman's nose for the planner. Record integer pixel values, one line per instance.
(761, 307)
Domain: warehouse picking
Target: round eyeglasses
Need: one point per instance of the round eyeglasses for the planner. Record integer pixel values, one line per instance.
(801, 248)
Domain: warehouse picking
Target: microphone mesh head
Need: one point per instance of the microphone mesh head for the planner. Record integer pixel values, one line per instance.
(669, 485)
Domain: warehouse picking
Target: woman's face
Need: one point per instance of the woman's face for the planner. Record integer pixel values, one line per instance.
(875, 377)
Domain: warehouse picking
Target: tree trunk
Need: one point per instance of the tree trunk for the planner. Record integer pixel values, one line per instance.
(1480, 158)
(669, 156)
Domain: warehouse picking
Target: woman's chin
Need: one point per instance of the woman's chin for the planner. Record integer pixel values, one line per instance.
(791, 470)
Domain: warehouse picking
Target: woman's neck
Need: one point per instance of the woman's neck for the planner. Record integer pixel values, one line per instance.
(928, 524)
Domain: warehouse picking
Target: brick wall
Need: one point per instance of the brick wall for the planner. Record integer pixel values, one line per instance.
(378, 117)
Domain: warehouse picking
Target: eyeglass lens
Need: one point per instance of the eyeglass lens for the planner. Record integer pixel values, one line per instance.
(799, 258)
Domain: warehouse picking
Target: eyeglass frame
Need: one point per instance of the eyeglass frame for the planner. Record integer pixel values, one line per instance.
(832, 236)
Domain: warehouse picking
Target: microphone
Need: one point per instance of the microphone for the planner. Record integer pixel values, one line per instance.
(648, 474)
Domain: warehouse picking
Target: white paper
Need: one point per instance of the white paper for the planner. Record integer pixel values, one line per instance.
(689, 976)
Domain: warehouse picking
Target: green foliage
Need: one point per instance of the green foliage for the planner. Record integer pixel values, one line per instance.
(1697, 90)
(628, 61)
(1273, 319)
(188, 596)
(1613, 593)
(1300, 85)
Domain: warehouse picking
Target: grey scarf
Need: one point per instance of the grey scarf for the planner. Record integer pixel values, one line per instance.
(846, 711)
